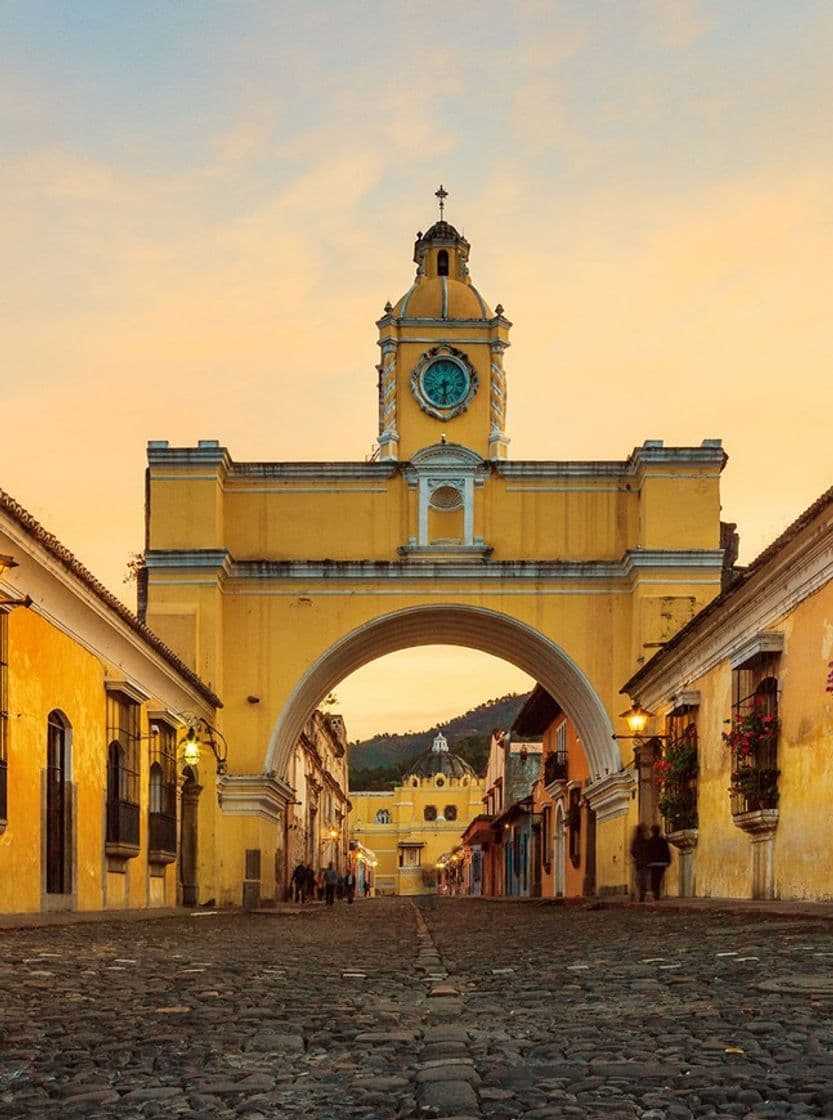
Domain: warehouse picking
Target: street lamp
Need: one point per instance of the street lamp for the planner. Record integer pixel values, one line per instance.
(636, 718)
(203, 734)
(6, 603)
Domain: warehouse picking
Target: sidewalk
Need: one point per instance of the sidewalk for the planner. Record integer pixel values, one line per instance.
(770, 908)
(10, 922)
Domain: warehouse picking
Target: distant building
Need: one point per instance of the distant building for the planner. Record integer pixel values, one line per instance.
(315, 825)
(410, 827)
(499, 844)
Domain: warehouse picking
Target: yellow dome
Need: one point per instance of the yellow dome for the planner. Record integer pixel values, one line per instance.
(440, 297)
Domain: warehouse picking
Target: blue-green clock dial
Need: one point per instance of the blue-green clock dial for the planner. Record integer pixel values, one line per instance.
(445, 383)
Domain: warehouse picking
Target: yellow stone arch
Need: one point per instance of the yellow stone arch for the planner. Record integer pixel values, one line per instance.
(454, 624)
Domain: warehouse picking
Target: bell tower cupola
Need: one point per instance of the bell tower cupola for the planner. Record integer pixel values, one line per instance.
(441, 375)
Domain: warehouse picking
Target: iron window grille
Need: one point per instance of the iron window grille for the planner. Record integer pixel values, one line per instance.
(678, 797)
(430, 813)
(555, 767)
(122, 770)
(755, 773)
(162, 793)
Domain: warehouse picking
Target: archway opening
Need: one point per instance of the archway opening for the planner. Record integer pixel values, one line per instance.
(460, 625)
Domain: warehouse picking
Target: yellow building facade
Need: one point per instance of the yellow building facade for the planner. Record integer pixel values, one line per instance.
(98, 807)
(742, 696)
(275, 580)
(410, 827)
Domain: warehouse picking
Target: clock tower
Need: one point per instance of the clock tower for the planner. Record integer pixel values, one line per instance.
(441, 377)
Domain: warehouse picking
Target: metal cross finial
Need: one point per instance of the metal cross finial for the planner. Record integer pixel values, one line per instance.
(442, 195)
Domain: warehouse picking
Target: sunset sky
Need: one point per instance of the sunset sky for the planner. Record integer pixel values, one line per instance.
(204, 207)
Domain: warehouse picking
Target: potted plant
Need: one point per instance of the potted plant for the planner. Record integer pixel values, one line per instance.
(675, 779)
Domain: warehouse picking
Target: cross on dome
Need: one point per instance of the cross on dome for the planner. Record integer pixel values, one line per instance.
(441, 195)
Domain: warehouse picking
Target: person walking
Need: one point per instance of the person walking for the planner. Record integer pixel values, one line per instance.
(299, 882)
(350, 885)
(639, 855)
(310, 888)
(319, 885)
(658, 858)
(330, 880)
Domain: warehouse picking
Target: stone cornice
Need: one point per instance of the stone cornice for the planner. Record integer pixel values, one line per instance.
(755, 604)
(254, 795)
(610, 796)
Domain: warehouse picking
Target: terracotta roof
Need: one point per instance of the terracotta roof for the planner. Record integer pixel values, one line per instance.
(761, 560)
(63, 555)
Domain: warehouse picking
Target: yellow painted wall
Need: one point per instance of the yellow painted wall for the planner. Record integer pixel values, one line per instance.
(803, 857)
(49, 671)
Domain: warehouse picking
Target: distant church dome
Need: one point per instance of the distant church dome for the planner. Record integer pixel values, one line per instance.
(440, 760)
(442, 288)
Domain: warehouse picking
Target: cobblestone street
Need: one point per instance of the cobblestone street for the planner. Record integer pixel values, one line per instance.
(441, 1008)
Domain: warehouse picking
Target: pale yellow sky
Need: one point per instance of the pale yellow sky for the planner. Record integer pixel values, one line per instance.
(204, 208)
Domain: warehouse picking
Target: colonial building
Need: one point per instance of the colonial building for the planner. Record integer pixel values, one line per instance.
(275, 580)
(566, 822)
(316, 820)
(102, 806)
(740, 704)
(410, 827)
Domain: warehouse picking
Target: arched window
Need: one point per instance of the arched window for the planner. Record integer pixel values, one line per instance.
(156, 776)
(430, 812)
(383, 816)
(162, 799)
(442, 262)
(122, 775)
(754, 740)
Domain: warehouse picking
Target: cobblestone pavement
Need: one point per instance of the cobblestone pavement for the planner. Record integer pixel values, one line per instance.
(389, 1010)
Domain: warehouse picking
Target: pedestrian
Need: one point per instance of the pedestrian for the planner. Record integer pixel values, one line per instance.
(340, 888)
(310, 882)
(319, 885)
(330, 880)
(658, 857)
(299, 882)
(350, 885)
(367, 888)
(639, 855)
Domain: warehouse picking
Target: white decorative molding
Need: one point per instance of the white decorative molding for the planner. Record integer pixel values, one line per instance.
(609, 797)
(755, 646)
(254, 795)
(684, 699)
(129, 688)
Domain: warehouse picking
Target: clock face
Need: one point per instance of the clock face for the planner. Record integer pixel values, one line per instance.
(445, 383)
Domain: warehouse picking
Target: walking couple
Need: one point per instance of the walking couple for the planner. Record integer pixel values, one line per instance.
(651, 855)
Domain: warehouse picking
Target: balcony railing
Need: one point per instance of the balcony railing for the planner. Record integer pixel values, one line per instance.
(555, 767)
(162, 833)
(123, 823)
(754, 787)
